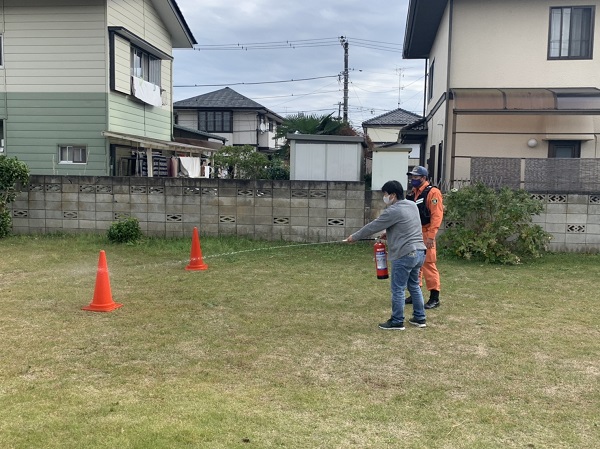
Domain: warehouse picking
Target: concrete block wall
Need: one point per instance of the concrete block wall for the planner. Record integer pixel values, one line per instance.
(303, 211)
(300, 211)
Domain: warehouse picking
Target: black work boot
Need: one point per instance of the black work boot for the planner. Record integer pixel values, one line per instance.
(408, 300)
(434, 300)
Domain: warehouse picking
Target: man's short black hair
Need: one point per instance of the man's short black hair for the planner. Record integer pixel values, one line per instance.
(393, 187)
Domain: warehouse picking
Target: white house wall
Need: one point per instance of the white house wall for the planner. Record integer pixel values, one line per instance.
(244, 128)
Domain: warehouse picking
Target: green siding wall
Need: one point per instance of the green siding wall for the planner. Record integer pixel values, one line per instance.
(129, 117)
(38, 123)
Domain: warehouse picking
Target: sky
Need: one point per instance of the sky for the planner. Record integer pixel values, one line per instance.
(253, 45)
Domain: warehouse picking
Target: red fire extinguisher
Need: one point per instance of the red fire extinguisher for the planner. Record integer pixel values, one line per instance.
(381, 260)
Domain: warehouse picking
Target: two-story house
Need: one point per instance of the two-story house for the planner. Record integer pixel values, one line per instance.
(85, 85)
(513, 90)
(227, 113)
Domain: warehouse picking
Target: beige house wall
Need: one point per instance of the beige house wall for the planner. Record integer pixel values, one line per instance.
(511, 46)
(504, 44)
(383, 134)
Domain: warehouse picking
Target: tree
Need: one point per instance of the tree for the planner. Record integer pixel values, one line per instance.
(246, 163)
(312, 124)
(12, 173)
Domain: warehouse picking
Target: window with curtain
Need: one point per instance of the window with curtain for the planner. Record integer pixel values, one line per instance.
(145, 66)
(571, 32)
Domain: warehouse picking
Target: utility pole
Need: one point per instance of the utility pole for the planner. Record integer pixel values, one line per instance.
(344, 43)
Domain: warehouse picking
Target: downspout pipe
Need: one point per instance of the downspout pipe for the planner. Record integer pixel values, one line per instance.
(448, 97)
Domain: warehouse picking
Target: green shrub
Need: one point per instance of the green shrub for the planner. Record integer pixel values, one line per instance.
(14, 174)
(492, 226)
(126, 230)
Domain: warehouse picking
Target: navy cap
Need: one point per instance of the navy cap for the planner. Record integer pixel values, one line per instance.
(418, 171)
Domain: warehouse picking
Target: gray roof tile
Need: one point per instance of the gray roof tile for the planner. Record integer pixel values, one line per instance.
(222, 98)
(397, 117)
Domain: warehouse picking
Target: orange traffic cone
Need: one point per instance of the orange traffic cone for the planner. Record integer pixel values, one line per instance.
(102, 301)
(196, 262)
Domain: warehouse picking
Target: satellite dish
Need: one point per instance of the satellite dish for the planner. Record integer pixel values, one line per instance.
(262, 127)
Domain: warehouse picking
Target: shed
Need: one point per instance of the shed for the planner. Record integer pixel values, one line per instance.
(326, 158)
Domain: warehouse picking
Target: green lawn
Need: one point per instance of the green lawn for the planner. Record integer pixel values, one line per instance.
(279, 348)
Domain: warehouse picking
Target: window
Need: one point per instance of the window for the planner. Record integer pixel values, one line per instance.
(145, 66)
(72, 154)
(430, 83)
(564, 149)
(215, 121)
(571, 32)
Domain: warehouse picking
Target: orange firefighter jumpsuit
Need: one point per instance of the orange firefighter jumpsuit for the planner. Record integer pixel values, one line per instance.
(435, 206)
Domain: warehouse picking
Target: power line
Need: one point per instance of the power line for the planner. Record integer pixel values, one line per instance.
(259, 82)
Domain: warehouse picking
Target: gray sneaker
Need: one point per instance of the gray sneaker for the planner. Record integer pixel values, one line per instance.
(418, 323)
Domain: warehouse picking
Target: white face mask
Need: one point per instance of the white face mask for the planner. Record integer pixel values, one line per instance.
(387, 199)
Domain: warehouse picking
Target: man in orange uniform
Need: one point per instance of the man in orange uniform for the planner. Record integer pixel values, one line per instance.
(431, 211)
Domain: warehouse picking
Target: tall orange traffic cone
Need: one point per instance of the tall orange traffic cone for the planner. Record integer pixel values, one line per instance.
(196, 262)
(102, 301)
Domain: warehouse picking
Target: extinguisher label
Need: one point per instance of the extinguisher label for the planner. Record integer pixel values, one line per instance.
(381, 260)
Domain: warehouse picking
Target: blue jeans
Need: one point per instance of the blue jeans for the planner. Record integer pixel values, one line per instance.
(405, 274)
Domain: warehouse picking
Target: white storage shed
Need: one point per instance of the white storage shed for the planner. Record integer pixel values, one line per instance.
(326, 158)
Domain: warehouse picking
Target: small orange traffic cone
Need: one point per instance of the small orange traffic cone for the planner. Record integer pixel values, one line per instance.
(196, 262)
(102, 301)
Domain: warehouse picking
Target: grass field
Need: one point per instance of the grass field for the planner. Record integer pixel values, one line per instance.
(279, 348)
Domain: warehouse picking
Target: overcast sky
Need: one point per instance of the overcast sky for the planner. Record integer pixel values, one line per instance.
(380, 80)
